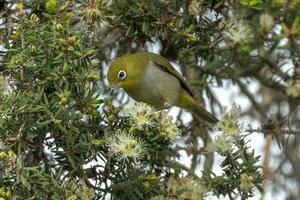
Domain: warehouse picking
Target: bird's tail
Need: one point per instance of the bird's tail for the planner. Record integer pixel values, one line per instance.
(204, 114)
(189, 102)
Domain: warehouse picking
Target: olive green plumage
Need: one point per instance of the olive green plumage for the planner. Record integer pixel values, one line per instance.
(150, 78)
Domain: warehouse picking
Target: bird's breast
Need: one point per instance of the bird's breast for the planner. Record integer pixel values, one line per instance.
(157, 88)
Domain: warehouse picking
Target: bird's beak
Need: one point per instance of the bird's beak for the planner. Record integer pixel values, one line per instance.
(114, 88)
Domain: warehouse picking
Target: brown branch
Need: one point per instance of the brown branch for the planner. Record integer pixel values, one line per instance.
(271, 84)
(267, 154)
(213, 99)
(268, 59)
(244, 89)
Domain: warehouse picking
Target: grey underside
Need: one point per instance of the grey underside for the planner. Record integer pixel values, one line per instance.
(159, 88)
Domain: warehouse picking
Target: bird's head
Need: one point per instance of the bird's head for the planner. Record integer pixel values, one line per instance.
(127, 72)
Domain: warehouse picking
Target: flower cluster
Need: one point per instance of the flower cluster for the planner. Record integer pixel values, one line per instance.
(145, 124)
(229, 123)
(246, 182)
(220, 143)
(125, 145)
(80, 190)
(141, 115)
(239, 32)
(293, 88)
(184, 188)
(167, 128)
(266, 22)
(144, 116)
(230, 128)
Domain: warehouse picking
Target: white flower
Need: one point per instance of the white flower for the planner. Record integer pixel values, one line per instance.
(167, 128)
(246, 182)
(125, 145)
(194, 7)
(239, 32)
(220, 143)
(230, 123)
(293, 88)
(139, 108)
(230, 128)
(266, 22)
(141, 114)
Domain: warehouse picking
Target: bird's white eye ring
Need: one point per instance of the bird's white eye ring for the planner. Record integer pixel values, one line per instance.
(122, 74)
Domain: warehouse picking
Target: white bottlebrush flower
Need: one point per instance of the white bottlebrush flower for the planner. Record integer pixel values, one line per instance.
(293, 88)
(239, 32)
(141, 114)
(167, 128)
(125, 145)
(220, 143)
(246, 182)
(230, 128)
(138, 108)
(230, 122)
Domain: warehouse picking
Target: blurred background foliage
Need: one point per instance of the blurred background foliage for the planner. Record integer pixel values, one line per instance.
(55, 114)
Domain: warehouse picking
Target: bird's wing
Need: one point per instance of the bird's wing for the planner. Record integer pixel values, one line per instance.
(165, 65)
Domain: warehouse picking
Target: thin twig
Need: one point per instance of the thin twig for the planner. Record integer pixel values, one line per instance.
(252, 99)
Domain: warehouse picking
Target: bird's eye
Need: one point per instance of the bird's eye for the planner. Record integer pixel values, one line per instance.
(122, 74)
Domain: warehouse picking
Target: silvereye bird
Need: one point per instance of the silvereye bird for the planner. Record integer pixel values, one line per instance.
(150, 78)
